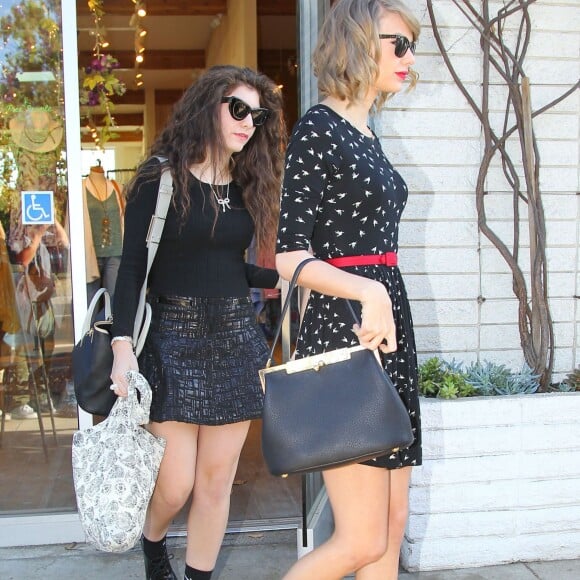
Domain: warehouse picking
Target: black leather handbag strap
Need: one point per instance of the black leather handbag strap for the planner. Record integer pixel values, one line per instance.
(284, 311)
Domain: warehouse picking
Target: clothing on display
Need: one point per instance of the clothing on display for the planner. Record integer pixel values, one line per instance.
(104, 208)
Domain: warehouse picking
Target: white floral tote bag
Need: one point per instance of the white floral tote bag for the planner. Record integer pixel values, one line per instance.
(115, 466)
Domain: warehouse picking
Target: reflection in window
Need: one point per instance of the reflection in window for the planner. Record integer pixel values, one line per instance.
(38, 414)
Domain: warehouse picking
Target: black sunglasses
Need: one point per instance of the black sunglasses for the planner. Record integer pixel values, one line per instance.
(402, 44)
(240, 110)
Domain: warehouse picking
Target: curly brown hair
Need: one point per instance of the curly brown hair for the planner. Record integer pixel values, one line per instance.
(193, 135)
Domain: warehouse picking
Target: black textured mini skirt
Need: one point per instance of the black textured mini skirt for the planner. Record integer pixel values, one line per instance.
(201, 358)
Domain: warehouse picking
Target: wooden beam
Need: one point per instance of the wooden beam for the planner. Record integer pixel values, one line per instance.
(137, 97)
(127, 136)
(161, 7)
(154, 59)
(122, 119)
(191, 7)
(276, 7)
(131, 97)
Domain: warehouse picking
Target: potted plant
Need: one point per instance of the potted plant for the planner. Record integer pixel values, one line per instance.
(501, 469)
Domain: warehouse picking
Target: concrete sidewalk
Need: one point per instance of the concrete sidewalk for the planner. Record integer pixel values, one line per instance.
(247, 556)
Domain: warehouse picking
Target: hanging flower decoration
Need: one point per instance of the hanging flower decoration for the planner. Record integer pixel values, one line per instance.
(98, 85)
(99, 82)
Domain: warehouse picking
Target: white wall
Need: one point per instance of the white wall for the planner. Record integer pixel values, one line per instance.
(499, 483)
(127, 156)
(434, 139)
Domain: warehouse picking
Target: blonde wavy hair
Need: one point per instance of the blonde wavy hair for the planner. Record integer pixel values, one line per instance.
(348, 50)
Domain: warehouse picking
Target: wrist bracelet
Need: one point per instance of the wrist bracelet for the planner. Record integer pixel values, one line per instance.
(122, 338)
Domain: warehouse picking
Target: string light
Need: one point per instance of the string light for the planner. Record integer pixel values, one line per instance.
(99, 32)
(140, 34)
(99, 82)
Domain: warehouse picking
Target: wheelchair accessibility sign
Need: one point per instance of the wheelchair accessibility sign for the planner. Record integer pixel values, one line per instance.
(37, 207)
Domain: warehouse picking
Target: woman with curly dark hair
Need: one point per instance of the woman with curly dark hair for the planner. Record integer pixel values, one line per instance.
(224, 146)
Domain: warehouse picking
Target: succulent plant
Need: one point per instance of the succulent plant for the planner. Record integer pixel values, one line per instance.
(495, 379)
(448, 380)
(572, 380)
(438, 378)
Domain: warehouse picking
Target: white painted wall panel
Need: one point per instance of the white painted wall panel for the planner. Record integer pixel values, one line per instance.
(458, 338)
(416, 123)
(499, 478)
(562, 309)
(437, 234)
(564, 359)
(439, 179)
(440, 260)
(511, 356)
(437, 312)
(435, 140)
(439, 206)
(451, 286)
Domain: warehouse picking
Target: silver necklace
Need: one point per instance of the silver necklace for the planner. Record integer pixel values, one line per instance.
(223, 202)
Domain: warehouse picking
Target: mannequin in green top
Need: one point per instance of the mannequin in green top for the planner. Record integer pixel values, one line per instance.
(104, 207)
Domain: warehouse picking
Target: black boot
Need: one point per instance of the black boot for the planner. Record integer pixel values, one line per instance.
(157, 566)
(193, 574)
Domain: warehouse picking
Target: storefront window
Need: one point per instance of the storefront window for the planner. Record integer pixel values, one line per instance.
(37, 406)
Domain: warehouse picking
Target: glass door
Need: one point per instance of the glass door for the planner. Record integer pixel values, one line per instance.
(38, 412)
(316, 514)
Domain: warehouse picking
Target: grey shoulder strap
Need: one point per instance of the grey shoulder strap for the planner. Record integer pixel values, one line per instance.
(143, 316)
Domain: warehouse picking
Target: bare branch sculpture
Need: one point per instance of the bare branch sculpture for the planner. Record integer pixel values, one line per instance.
(534, 319)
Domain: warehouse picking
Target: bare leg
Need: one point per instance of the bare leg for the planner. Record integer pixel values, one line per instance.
(218, 454)
(176, 476)
(387, 568)
(359, 498)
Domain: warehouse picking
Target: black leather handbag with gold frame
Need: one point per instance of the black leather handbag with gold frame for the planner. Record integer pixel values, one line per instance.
(330, 409)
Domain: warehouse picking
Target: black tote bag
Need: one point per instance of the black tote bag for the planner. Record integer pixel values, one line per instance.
(92, 359)
(331, 409)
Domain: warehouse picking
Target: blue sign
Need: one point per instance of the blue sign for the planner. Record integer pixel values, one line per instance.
(37, 207)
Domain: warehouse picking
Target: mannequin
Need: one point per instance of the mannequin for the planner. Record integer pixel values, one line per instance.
(103, 232)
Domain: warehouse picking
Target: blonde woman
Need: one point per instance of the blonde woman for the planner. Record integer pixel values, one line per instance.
(343, 199)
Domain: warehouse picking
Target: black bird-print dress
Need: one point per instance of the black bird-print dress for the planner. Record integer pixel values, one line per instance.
(342, 197)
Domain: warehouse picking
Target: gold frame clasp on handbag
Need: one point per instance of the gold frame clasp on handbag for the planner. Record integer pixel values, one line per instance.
(315, 362)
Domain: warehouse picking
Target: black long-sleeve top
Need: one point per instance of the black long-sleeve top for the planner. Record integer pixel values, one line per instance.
(191, 260)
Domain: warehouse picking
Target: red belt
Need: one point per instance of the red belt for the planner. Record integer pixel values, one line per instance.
(387, 259)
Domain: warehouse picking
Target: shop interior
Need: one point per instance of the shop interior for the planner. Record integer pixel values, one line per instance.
(157, 54)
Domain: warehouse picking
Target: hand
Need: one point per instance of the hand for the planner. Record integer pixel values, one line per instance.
(61, 235)
(124, 360)
(377, 325)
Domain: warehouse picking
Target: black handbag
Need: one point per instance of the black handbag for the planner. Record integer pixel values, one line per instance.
(92, 355)
(331, 409)
(92, 359)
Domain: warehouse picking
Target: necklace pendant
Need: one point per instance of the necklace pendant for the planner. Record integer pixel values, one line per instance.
(224, 203)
